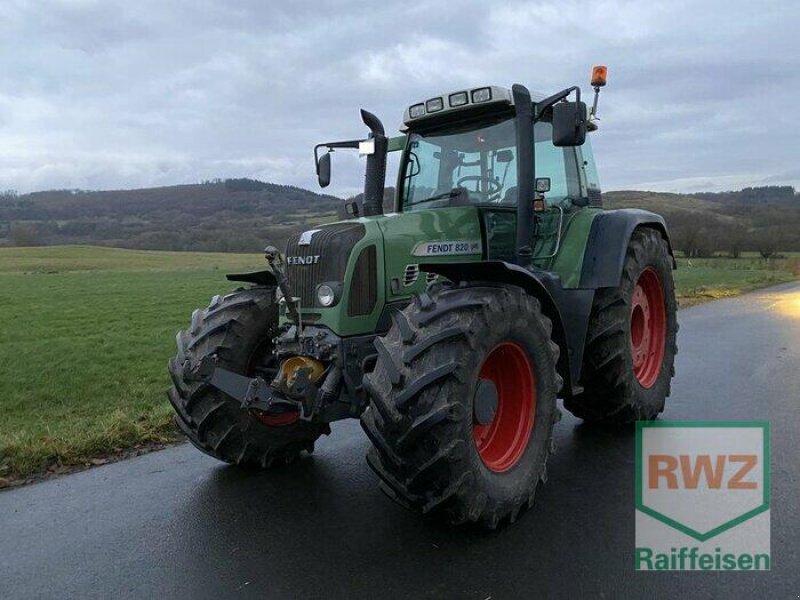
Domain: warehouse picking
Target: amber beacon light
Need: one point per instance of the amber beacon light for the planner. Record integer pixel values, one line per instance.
(599, 75)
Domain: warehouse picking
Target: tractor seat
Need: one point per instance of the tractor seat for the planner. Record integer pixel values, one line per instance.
(511, 196)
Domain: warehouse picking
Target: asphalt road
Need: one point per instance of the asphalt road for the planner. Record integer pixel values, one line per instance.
(178, 524)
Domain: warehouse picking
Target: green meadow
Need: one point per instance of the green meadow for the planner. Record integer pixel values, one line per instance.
(86, 335)
(87, 332)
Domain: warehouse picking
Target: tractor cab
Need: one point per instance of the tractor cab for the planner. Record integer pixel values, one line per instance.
(463, 149)
(474, 161)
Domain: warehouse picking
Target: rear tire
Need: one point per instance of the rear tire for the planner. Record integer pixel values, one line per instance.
(631, 343)
(238, 330)
(428, 449)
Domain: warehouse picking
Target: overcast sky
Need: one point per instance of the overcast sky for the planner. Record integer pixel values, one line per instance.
(109, 94)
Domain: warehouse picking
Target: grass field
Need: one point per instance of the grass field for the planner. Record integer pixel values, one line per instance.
(86, 335)
(87, 332)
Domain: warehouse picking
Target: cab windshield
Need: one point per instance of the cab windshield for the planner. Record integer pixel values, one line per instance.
(477, 164)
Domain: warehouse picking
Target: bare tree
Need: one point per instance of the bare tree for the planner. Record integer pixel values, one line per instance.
(736, 236)
(766, 244)
(690, 233)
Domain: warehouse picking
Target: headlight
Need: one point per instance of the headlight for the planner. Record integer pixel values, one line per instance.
(325, 295)
(416, 111)
(434, 105)
(482, 95)
(459, 99)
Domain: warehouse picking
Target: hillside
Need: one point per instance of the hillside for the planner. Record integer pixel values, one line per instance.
(241, 215)
(762, 220)
(660, 202)
(234, 215)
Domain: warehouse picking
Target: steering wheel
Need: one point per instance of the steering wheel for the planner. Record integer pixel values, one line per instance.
(494, 187)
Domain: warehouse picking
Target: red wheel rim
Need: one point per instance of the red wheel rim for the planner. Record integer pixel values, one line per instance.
(268, 369)
(278, 420)
(648, 328)
(502, 442)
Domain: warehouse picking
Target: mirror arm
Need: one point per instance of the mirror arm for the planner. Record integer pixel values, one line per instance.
(332, 145)
(548, 102)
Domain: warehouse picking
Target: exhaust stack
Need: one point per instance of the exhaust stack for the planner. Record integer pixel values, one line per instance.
(525, 175)
(375, 177)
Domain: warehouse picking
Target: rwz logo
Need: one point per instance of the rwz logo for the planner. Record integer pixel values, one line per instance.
(663, 468)
(702, 495)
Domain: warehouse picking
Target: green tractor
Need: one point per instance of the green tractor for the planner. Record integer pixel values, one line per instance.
(451, 325)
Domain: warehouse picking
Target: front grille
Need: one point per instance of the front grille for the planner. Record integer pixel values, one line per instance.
(410, 275)
(364, 287)
(332, 244)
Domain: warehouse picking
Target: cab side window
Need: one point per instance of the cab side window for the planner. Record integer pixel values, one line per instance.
(422, 170)
(559, 164)
(586, 159)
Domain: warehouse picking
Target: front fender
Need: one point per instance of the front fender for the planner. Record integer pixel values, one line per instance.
(265, 278)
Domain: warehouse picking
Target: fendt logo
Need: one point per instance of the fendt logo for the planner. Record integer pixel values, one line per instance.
(704, 484)
(303, 260)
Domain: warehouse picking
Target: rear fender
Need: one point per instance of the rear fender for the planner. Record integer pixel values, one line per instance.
(608, 243)
(567, 309)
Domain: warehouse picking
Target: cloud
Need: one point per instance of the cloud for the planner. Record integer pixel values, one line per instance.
(110, 94)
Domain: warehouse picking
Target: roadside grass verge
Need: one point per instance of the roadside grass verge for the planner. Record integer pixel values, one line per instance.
(704, 279)
(87, 332)
(86, 336)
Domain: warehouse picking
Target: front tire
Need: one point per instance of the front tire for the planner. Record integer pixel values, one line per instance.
(237, 329)
(631, 343)
(463, 402)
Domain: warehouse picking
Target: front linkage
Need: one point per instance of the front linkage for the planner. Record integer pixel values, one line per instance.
(310, 380)
(303, 384)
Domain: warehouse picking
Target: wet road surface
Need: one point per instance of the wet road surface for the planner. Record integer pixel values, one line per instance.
(176, 523)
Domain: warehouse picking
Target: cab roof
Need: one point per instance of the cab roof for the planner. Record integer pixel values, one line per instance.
(460, 101)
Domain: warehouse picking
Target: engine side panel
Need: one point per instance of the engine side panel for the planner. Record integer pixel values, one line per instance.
(451, 235)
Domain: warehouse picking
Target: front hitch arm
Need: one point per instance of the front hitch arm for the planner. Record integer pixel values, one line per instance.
(278, 266)
(252, 392)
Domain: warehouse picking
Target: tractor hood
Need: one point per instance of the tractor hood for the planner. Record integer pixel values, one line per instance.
(372, 261)
(426, 236)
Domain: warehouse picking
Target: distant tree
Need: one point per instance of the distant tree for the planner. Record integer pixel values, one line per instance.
(23, 234)
(245, 185)
(736, 237)
(766, 244)
(750, 196)
(688, 234)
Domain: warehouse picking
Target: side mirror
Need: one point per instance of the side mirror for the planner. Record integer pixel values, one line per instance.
(569, 124)
(324, 170)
